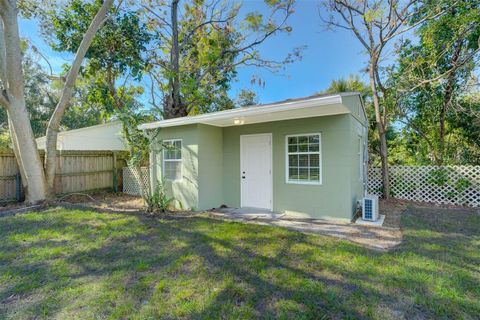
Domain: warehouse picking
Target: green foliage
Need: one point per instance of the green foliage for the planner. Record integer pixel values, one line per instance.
(118, 46)
(115, 60)
(446, 51)
(215, 38)
(41, 97)
(117, 52)
(157, 201)
(254, 20)
(5, 143)
(247, 98)
(206, 62)
(138, 142)
(439, 177)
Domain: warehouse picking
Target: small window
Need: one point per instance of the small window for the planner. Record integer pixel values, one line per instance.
(304, 159)
(172, 160)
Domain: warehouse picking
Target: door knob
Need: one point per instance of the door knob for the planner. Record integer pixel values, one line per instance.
(243, 177)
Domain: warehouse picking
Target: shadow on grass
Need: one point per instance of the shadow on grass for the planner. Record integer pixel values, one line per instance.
(72, 263)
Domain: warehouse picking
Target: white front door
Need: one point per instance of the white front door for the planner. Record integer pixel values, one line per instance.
(256, 171)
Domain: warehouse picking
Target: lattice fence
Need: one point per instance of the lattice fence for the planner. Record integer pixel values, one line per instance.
(135, 180)
(457, 185)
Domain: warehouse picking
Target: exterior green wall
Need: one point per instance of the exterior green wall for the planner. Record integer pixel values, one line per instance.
(354, 104)
(185, 190)
(332, 199)
(357, 132)
(210, 163)
(358, 125)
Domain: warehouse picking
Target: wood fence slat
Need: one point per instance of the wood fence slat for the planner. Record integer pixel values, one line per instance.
(77, 171)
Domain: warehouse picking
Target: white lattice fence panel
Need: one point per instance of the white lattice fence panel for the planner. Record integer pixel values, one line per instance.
(458, 185)
(374, 185)
(135, 180)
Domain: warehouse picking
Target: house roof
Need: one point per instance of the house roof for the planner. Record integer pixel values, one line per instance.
(105, 136)
(306, 107)
(74, 131)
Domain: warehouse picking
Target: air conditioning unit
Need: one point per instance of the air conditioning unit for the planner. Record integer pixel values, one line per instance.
(370, 208)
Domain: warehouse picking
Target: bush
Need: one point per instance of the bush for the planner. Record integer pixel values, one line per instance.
(158, 201)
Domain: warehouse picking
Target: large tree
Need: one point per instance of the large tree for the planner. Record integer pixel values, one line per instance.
(115, 61)
(200, 44)
(376, 24)
(434, 74)
(40, 97)
(37, 181)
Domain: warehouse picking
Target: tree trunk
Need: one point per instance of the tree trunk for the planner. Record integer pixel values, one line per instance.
(24, 144)
(16, 148)
(173, 106)
(446, 102)
(54, 123)
(381, 127)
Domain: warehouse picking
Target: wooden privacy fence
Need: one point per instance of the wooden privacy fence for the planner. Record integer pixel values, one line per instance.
(456, 185)
(76, 171)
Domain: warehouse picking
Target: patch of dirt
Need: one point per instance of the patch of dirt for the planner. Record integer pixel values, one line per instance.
(392, 209)
(8, 206)
(97, 200)
(107, 200)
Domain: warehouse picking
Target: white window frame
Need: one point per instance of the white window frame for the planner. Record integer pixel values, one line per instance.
(172, 141)
(320, 153)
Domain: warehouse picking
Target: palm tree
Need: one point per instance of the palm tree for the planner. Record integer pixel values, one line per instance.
(352, 83)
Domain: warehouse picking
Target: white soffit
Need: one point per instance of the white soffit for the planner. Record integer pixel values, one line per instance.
(294, 109)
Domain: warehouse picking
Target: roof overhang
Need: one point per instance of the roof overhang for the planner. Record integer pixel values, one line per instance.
(291, 109)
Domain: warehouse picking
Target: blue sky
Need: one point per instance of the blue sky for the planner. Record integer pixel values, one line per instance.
(329, 55)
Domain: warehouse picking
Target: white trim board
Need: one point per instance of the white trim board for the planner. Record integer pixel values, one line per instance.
(316, 106)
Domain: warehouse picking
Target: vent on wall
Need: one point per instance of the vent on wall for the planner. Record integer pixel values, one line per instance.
(370, 208)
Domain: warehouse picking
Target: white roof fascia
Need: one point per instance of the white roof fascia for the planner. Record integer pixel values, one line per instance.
(247, 111)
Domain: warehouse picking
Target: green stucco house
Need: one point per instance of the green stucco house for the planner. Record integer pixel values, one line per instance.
(303, 157)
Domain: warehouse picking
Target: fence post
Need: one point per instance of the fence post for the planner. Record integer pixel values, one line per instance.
(18, 187)
(114, 171)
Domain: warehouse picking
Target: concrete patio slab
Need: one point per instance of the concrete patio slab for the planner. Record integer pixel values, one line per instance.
(377, 238)
(367, 223)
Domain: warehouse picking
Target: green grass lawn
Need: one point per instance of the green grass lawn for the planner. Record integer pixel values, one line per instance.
(79, 264)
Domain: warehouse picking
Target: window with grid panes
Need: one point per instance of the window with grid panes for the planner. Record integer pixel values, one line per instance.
(172, 160)
(304, 159)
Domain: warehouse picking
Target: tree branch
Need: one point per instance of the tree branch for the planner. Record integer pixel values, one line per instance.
(454, 68)
(13, 54)
(3, 63)
(67, 92)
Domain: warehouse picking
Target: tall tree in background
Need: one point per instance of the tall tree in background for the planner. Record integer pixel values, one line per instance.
(40, 97)
(114, 61)
(351, 84)
(376, 24)
(434, 75)
(247, 98)
(200, 44)
(42, 94)
(37, 182)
